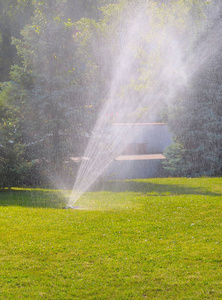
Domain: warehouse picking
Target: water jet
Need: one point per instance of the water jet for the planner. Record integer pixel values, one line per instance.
(152, 66)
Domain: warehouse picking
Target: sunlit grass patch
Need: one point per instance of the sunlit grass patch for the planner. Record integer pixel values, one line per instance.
(150, 242)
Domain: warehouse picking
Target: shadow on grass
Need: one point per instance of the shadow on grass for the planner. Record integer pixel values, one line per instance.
(55, 199)
(152, 188)
(32, 198)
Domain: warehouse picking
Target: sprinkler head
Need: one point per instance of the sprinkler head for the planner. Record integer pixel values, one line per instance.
(71, 207)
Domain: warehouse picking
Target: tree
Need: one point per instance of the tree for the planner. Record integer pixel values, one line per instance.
(14, 168)
(197, 120)
(14, 15)
(47, 90)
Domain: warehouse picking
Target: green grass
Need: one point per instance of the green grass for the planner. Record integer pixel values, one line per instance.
(142, 239)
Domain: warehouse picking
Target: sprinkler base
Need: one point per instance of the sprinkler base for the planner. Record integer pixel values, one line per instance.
(71, 207)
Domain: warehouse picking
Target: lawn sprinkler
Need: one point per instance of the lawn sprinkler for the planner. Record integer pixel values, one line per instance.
(71, 207)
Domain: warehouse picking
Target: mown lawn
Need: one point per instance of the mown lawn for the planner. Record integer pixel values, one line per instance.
(142, 239)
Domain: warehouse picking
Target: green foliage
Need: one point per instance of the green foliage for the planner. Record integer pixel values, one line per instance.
(157, 239)
(174, 165)
(62, 71)
(14, 169)
(197, 123)
(165, 25)
(14, 15)
(46, 91)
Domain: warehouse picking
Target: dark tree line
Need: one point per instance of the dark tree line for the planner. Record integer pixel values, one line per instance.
(46, 112)
(54, 82)
(197, 121)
